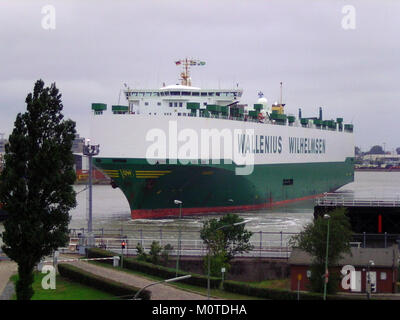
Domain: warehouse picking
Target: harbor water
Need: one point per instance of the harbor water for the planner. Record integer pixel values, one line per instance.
(272, 227)
(111, 210)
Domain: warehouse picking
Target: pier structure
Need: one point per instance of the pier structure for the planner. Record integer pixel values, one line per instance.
(380, 216)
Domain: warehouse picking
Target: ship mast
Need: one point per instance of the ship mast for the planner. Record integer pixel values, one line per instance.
(185, 74)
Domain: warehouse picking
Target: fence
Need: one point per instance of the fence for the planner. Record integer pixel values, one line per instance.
(265, 244)
(344, 200)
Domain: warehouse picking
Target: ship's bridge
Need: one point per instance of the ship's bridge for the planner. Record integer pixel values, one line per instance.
(176, 99)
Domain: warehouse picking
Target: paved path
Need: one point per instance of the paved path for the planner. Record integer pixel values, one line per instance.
(7, 269)
(158, 292)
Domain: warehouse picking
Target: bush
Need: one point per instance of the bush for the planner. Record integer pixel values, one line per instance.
(101, 253)
(167, 273)
(165, 254)
(141, 255)
(217, 262)
(155, 252)
(118, 289)
(156, 270)
(274, 294)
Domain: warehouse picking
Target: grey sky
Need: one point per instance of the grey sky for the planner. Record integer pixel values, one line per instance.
(99, 45)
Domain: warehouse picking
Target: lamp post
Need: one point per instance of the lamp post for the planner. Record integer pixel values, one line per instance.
(158, 282)
(209, 254)
(178, 202)
(90, 151)
(327, 217)
(369, 289)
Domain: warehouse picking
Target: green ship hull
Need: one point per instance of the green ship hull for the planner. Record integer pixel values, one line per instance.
(152, 189)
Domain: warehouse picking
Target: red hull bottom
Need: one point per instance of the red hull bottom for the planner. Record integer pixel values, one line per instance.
(174, 212)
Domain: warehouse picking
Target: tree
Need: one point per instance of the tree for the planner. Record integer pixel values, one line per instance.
(36, 183)
(224, 239)
(376, 150)
(313, 241)
(155, 251)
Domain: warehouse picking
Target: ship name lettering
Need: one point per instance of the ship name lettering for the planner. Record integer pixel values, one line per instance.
(259, 144)
(307, 145)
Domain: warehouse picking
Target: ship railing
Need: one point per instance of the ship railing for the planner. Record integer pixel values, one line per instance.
(250, 119)
(349, 201)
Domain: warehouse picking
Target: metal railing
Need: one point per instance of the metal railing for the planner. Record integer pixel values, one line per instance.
(265, 244)
(333, 199)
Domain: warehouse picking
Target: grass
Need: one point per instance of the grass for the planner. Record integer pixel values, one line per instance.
(283, 284)
(65, 290)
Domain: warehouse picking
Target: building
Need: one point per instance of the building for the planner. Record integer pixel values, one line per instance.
(381, 263)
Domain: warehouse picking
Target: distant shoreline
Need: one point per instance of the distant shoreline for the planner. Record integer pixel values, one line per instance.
(377, 170)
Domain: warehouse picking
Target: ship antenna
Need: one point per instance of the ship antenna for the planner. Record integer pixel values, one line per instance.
(185, 74)
(119, 96)
(281, 92)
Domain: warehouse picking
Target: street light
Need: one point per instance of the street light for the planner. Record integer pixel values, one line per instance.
(158, 282)
(327, 217)
(178, 202)
(368, 289)
(90, 151)
(209, 253)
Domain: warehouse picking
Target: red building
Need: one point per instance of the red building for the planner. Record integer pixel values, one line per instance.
(381, 264)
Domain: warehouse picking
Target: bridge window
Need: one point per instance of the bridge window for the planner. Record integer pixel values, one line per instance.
(185, 93)
(175, 93)
(203, 94)
(195, 94)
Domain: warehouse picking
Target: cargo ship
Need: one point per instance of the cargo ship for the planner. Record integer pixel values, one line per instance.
(185, 150)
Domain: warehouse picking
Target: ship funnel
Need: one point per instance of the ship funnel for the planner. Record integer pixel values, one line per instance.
(299, 113)
(320, 113)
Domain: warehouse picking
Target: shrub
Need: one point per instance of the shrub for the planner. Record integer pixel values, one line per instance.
(141, 255)
(101, 253)
(154, 254)
(167, 273)
(274, 294)
(156, 270)
(217, 262)
(118, 289)
(165, 253)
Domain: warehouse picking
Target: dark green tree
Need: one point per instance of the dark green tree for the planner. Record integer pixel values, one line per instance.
(376, 150)
(224, 240)
(36, 184)
(313, 241)
(155, 252)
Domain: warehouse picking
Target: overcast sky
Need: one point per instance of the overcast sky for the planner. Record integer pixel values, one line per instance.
(97, 46)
